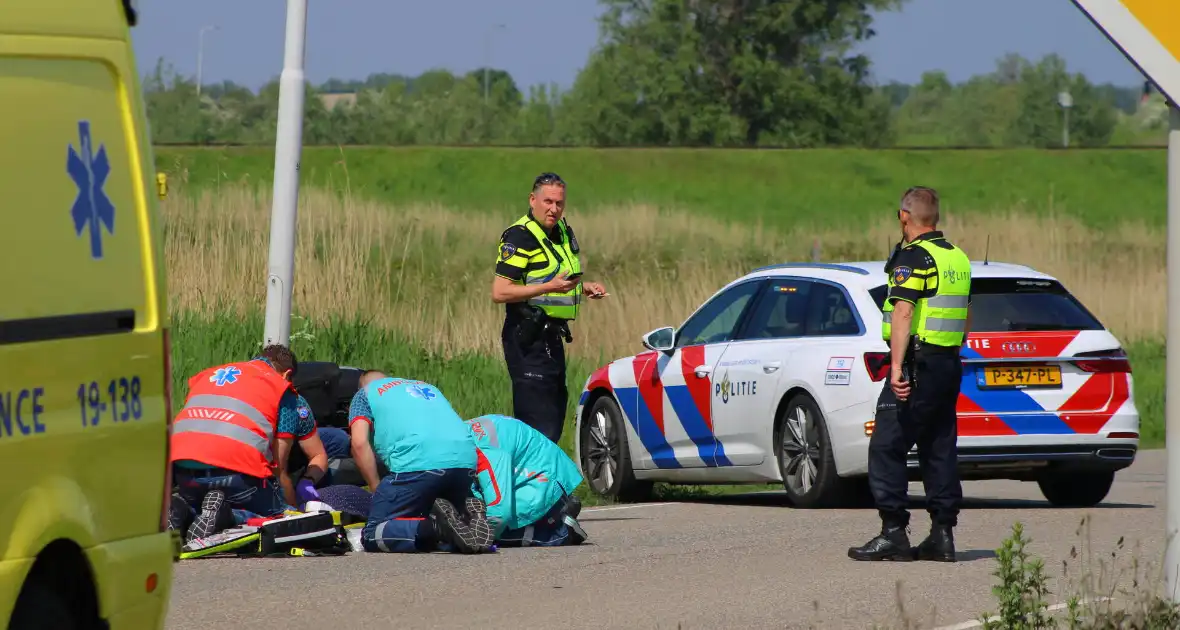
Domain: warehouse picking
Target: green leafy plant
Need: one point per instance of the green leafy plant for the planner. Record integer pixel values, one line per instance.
(1023, 587)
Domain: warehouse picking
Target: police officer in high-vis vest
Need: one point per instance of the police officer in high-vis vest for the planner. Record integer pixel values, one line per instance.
(538, 279)
(925, 324)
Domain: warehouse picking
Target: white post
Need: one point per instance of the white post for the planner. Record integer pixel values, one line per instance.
(201, 55)
(284, 209)
(1172, 367)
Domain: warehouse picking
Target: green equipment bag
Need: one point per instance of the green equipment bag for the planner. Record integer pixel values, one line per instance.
(226, 541)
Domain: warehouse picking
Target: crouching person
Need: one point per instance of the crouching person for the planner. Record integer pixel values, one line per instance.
(426, 500)
(230, 444)
(527, 482)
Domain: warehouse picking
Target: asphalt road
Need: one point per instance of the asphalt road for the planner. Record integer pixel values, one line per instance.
(729, 562)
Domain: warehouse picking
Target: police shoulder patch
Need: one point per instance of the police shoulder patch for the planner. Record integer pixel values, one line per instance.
(901, 274)
(507, 250)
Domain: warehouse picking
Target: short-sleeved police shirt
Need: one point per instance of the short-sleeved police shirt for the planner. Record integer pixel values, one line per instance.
(912, 271)
(520, 252)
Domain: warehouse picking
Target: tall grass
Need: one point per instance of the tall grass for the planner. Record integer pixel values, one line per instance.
(426, 271)
(407, 289)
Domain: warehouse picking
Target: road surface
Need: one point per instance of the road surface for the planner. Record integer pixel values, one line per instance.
(729, 562)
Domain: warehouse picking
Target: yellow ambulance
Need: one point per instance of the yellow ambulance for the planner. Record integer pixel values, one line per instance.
(84, 351)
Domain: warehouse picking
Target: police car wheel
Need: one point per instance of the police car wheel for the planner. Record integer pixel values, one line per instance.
(1076, 489)
(606, 458)
(805, 456)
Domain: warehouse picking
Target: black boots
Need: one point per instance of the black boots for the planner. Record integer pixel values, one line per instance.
(939, 546)
(891, 544)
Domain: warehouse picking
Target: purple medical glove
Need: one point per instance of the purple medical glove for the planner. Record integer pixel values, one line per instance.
(305, 491)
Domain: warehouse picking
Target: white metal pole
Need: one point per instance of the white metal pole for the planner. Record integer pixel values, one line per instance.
(201, 55)
(1065, 130)
(284, 209)
(1172, 366)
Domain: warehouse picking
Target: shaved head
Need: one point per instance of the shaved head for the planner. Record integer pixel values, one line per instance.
(370, 376)
(922, 205)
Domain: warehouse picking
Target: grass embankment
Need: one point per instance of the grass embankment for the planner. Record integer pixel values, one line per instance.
(405, 288)
(830, 187)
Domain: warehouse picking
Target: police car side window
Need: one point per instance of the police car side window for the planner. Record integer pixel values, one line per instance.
(781, 311)
(719, 318)
(829, 313)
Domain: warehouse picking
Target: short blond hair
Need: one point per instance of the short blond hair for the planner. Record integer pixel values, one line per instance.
(922, 204)
(370, 376)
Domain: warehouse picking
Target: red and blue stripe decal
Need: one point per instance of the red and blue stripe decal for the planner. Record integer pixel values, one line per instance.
(643, 407)
(993, 413)
(693, 405)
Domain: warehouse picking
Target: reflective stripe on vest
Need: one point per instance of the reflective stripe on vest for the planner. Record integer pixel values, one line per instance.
(941, 319)
(214, 415)
(230, 418)
(560, 260)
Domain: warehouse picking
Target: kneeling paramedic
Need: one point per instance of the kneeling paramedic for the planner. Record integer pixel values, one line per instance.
(233, 438)
(425, 445)
(527, 482)
(926, 317)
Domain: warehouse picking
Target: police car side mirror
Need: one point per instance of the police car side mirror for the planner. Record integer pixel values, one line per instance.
(660, 339)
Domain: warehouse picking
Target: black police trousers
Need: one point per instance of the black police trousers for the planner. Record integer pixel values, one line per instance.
(926, 418)
(537, 369)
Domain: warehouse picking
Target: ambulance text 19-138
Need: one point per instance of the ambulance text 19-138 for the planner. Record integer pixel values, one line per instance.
(121, 394)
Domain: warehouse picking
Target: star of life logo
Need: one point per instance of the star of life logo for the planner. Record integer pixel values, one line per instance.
(224, 376)
(421, 391)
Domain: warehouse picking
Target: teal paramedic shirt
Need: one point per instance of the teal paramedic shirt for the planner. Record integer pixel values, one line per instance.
(522, 473)
(414, 426)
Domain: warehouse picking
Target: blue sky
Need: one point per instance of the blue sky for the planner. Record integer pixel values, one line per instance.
(548, 40)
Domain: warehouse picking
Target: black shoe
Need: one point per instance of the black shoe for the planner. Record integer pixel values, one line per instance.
(573, 506)
(891, 544)
(179, 514)
(939, 546)
(215, 516)
(452, 529)
(577, 535)
(481, 529)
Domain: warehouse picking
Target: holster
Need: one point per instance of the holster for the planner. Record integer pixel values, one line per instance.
(534, 323)
(909, 365)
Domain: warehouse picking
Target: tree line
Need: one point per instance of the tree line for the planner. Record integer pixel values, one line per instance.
(707, 73)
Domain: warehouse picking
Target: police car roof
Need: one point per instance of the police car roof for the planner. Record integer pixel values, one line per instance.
(872, 273)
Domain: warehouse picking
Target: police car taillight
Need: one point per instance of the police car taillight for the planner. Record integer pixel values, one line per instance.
(1104, 361)
(165, 507)
(877, 365)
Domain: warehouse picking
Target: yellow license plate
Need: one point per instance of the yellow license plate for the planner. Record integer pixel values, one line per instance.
(1022, 376)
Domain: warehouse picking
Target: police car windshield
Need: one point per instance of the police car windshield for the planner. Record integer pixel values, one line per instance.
(1019, 304)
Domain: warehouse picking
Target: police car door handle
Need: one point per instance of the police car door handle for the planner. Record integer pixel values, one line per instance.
(771, 366)
(702, 370)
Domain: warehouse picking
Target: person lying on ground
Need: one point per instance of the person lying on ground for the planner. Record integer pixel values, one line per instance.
(341, 469)
(527, 482)
(230, 443)
(413, 429)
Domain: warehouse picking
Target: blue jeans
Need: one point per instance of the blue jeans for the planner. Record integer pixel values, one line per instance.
(549, 531)
(402, 501)
(247, 496)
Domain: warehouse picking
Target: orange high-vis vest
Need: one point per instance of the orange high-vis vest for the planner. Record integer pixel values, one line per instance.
(230, 418)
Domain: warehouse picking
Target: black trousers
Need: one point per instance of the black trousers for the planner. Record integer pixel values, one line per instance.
(927, 418)
(537, 369)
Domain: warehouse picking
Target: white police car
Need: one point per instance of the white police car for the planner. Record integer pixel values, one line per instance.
(776, 378)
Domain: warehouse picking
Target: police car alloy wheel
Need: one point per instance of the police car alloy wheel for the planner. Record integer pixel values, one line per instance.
(606, 458)
(806, 462)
